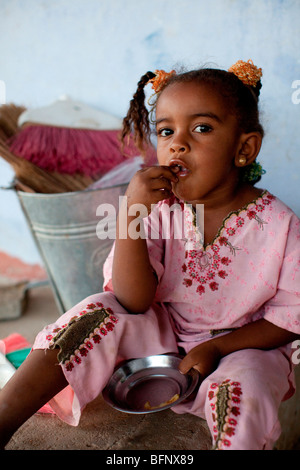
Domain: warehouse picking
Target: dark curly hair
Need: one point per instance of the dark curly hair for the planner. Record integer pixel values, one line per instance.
(240, 98)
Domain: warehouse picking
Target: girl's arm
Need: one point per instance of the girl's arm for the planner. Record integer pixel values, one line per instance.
(134, 281)
(260, 334)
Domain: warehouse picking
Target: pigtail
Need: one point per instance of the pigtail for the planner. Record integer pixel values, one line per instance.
(137, 119)
(256, 89)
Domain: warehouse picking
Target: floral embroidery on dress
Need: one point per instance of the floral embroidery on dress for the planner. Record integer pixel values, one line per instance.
(224, 402)
(204, 265)
(76, 338)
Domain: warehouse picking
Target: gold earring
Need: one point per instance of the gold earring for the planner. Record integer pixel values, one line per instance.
(242, 160)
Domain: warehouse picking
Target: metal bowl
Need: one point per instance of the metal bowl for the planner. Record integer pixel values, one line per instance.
(149, 384)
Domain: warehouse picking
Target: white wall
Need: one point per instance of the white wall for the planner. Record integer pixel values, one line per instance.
(96, 50)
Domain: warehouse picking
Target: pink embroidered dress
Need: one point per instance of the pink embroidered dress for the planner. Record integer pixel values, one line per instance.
(251, 270)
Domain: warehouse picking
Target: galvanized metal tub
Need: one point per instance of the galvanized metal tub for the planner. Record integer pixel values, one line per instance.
(64, 228)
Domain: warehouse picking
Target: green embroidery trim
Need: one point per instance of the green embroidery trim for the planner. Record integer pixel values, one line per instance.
(70, 338)
(225, 404)
(222, 330)
(221, 410)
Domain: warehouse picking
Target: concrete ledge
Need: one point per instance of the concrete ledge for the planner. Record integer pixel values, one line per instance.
(103, 428)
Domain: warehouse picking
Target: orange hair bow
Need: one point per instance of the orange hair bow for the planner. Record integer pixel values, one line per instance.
(247, 72)
(160, 79)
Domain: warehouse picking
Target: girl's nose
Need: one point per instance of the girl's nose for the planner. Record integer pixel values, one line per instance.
(179, 147)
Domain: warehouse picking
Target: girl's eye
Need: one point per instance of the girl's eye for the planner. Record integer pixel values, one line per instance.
(165, 132)
(202, 128)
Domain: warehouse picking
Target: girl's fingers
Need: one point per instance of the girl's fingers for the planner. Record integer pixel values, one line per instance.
(161, 194)
(186, 364)
(168, 173)
(161, 171)
(161, 183)
(204, 358)
(151, 185)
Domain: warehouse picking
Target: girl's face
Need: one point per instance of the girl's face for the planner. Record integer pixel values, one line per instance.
(198, 138)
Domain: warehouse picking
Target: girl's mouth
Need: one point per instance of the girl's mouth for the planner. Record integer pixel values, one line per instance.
(179, 169)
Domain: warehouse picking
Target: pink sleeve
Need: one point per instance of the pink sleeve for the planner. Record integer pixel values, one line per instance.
(284, 308)
(155, 249)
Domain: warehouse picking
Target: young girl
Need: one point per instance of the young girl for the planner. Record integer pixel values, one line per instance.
(227, 296)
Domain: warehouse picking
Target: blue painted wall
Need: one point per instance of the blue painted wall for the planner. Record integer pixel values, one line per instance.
(96, 50)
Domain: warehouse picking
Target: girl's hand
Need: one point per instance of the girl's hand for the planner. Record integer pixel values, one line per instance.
(260, 334)
(204, 358)
(150, 185)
